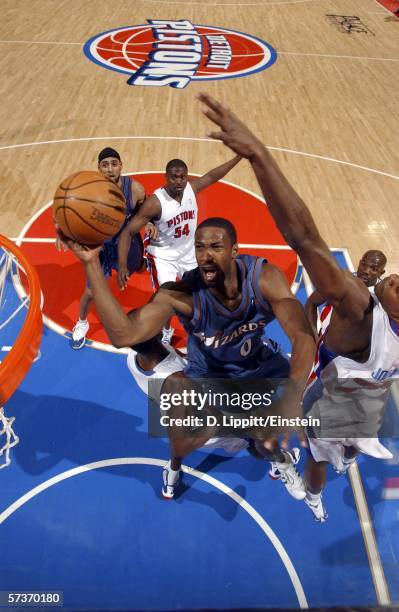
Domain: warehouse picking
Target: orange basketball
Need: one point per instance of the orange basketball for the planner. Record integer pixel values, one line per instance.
(89, 207)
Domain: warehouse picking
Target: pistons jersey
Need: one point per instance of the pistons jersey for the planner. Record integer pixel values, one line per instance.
(350, 396)
(176, 225)
(230, 344)
(383, 361)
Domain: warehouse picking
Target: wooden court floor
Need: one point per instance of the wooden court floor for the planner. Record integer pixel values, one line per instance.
(328, 106)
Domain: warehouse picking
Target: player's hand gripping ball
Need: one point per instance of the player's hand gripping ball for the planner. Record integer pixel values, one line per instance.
(89, 208)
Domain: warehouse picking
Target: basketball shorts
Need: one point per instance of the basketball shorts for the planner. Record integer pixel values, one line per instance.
(332, 450)
(163, 271)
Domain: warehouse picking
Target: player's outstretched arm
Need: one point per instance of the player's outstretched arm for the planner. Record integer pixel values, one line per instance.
(150, 209)
(123, 330)
(215, 175)
(290, 213)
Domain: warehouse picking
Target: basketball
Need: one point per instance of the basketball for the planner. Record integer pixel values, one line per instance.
(89, 208)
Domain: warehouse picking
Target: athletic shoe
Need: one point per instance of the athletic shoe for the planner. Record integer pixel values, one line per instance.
(274, 472)
(345, 465)
(170, 481)
(167, 335)
(315, 503)
(79, 334)
(290, 478)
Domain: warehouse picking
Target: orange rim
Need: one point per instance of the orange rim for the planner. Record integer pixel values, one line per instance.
(18, 361)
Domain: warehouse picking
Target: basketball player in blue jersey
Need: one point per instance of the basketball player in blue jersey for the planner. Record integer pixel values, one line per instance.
(370, 270)
(225, 305)
(110, 164)
(359, 350)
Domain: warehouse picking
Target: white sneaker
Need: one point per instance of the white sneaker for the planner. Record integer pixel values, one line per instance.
(274, 472)
(170, 481)
(290, 478)
(79, 334)
(167, 335)
(315, 503)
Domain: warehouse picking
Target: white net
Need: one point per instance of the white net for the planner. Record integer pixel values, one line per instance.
(8, 438)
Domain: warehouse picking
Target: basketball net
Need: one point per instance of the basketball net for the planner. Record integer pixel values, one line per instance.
(9, 436)
(16, 276)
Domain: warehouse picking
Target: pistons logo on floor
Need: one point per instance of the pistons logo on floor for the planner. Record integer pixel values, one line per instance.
(175, 53)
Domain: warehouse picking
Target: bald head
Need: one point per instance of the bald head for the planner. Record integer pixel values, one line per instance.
(371, 267)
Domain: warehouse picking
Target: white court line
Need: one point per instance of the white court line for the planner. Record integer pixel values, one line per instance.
(352, 57)
(38, 42)
(195, 139)
(366, 524)
(297, 53)
(262, 4)
(34, 240)
(264, 526)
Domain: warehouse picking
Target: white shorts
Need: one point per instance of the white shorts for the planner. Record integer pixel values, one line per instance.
(230, 445)
(332, 450)
(163, 271)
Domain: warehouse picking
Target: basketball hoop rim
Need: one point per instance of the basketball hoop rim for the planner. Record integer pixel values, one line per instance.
(18, 361)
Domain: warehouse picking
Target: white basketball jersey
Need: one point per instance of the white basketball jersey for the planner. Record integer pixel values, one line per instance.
(176, 225)
(347, 396)
(383, 361)
(169, 365)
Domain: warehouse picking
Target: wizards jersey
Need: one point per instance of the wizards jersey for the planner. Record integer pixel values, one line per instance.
(228, 344)
(109, 251)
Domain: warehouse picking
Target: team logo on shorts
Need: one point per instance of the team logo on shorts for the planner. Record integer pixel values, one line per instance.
(175, 53)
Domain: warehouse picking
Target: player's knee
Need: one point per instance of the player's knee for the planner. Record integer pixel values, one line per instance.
(88, 294)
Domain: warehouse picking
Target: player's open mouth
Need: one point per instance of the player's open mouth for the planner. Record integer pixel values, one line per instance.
(209, 273)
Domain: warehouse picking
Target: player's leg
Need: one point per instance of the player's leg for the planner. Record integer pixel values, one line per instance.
(321, 452)
(82, 326)
(183, 438)
(162, 271)
(283, 467)
(274, 366)
(79, 332)
(180, 447)
(348, 458)
(315, 479)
